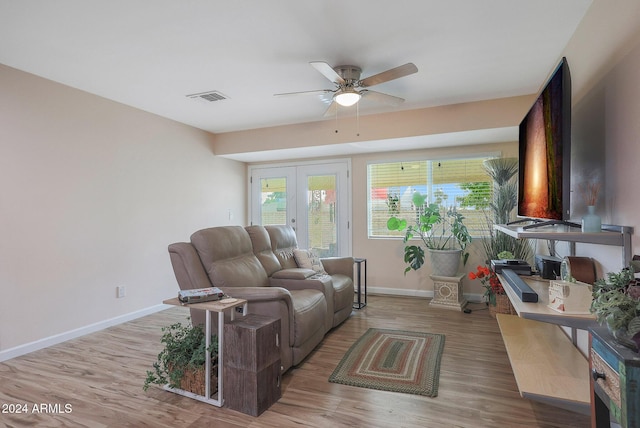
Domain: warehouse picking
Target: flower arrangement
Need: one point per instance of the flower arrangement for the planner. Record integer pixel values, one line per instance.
(490, 282)
(589, 190)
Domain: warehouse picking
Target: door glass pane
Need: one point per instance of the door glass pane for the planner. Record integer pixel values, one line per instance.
(273, 201)
(321, 215)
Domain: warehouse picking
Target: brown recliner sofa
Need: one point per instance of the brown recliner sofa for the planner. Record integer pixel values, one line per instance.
(224, 257)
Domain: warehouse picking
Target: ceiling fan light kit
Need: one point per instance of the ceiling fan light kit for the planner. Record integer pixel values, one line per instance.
(347, 98)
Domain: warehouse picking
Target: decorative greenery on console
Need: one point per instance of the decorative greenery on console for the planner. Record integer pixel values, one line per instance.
(437, 230)
(184, 349)
(616, 303)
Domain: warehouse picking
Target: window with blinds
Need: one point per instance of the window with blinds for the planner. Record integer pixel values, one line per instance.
(462, 184)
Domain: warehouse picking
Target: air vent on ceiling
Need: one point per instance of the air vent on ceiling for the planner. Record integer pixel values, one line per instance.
(208, 97)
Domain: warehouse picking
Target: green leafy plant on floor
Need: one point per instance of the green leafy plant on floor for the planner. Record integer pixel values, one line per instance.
(438, 229)
(184, 348)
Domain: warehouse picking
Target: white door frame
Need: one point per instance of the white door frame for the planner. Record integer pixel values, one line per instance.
(345, 192)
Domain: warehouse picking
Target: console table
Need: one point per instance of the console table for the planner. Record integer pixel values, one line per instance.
(615, 378)
(546, 363)
(619, 236)
(220, 307)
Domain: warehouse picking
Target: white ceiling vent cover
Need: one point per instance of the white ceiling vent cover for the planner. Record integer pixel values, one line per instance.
(208, 97)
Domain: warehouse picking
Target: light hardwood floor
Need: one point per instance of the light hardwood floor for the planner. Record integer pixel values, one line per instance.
(100, 377)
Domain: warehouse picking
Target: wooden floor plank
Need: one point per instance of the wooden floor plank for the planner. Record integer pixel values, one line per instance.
(101, 376)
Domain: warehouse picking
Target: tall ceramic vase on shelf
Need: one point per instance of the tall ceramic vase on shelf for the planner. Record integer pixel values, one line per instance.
(591, 222)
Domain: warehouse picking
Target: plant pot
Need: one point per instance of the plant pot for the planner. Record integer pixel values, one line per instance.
(193, 380)
(445, 262)
(502, 306)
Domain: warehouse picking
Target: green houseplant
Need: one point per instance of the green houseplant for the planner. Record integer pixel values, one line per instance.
(503, 202)
(181, 362)
(616, 304)
(438, 230)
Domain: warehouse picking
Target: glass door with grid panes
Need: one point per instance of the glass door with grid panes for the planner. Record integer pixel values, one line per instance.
(312, 198)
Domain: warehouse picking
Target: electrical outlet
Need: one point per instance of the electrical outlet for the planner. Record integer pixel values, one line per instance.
(121, 291)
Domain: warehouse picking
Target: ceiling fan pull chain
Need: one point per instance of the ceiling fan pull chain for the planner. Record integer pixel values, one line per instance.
(358, 119)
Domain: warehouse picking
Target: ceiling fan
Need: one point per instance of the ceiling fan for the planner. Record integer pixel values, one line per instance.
(350, 88)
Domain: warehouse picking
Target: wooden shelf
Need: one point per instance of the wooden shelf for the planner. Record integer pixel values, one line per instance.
(547, 367)
(540, 311)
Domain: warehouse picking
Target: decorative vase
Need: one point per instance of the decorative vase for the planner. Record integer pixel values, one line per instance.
(591, 222)
(445, 262)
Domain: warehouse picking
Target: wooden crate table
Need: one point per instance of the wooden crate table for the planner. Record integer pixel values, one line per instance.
(252, 364)
(220, 307)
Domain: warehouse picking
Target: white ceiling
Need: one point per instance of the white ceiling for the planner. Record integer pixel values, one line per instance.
(151, 54)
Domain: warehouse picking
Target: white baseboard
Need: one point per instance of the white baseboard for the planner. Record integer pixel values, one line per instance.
(72, 334)
(473, 298)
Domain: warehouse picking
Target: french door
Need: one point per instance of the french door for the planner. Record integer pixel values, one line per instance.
(312, 197)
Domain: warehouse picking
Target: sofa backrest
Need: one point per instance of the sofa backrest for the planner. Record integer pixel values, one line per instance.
(283, 242)
(227, 256)
(262, 249)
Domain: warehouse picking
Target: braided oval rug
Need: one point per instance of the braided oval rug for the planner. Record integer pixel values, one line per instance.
(393, 360)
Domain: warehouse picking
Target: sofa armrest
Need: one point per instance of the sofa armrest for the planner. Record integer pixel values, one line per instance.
(338, 265)
(294, 273)
(271, 301)
(259, 294)
(319, 282)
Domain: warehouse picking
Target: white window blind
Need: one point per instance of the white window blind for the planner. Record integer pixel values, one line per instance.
(462, 184)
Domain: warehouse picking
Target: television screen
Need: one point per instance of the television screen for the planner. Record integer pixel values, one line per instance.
(545, 151)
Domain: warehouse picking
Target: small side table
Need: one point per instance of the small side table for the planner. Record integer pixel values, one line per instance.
(447, 292)
(252, 350)
(359, 262)
(219, 306)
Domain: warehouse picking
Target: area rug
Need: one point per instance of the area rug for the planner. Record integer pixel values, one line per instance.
(393, 360)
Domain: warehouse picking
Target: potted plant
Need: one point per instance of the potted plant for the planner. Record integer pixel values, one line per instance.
(503, 202)
(441, 231)
(181, 364)
(494, 293)
(616, 303)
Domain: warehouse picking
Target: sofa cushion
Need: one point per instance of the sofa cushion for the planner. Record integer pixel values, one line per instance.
(310, 311)
(227, 256)
(307, 259)
(283, 242)
(262, 249)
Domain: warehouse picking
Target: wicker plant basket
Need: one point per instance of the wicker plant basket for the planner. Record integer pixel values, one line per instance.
(503, 306)
(193, 380)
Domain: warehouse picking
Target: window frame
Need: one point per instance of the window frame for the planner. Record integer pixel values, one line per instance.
(429, 184)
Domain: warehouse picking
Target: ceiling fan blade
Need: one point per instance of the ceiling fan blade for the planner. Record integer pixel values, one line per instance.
(331, 111)
(381, 98)
(385, 76)
(328, 72)
(317, 92)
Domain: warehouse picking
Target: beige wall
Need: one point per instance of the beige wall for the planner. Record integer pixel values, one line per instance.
(604, 56)
(91, 194)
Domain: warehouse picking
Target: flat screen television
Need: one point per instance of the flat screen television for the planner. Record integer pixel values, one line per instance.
(545, 154)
